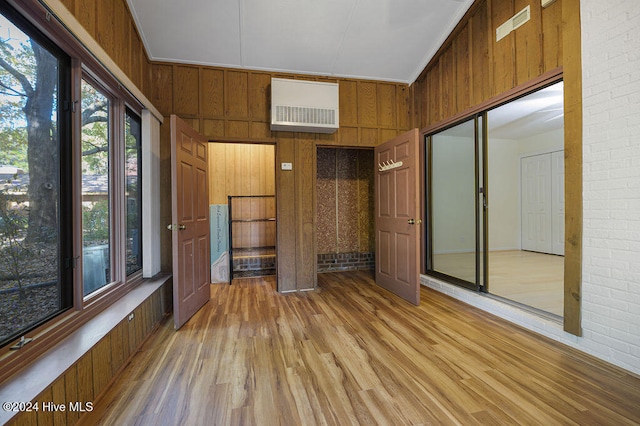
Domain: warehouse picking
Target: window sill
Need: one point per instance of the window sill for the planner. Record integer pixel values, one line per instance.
(27, 384)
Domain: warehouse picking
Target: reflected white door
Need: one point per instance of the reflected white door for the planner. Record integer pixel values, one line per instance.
(543, 203)
(536, 203)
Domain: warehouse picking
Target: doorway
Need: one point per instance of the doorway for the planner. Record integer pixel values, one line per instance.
(242, 174)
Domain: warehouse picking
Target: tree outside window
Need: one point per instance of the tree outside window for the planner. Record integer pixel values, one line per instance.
(30, 256)
(96, 245)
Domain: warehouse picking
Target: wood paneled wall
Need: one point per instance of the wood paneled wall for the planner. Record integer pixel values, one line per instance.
(471, 67)
(88, 377)
(224, 103)
(261, 232)
(571, 42)
(229, 104)
(245, 169)
(110, 23)
(296, 213)
(240, 169)
(234, 104)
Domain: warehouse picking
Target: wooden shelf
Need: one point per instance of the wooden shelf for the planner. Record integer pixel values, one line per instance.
(255, 245)
(270, 219)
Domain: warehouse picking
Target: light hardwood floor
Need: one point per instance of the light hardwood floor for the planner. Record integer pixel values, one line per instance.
(352, 353)
(533, 279)
(529, 278)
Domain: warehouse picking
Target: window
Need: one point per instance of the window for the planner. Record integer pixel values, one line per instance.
(96, 199)
(70, 174)
(35, 281)
(133, 182)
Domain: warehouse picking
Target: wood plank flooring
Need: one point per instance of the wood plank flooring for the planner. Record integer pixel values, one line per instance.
(533, 279)
(352, 353)
(529, 278)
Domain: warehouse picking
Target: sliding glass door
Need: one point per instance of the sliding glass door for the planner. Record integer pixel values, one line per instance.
(454, 214)
(495, 201)
(525, 174)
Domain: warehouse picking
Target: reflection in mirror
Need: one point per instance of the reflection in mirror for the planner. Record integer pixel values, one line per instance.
(453, 202)
(525, 171)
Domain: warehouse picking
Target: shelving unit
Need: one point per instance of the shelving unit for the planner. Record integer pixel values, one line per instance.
(252, 236)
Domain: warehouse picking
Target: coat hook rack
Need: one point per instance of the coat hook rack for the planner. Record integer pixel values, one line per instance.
(388, 165)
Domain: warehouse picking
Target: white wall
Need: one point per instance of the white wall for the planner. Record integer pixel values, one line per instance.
(611, 180)
(611, 193)
(453, 194)
(542, 143)
(503, 163)
(151, 226)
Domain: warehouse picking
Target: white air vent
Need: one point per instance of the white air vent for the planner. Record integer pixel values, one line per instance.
(304, 106)
(515, 22)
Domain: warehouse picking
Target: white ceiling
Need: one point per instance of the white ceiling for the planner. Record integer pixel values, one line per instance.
(390, 40)
(535, 114)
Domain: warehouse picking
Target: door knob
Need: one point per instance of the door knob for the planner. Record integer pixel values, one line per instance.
(174, 227)
(413, 221)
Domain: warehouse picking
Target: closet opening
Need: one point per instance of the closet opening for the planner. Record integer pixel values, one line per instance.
(345, 210)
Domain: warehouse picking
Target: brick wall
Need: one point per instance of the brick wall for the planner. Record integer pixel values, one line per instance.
(611, 180)
(254, 266)
(355, 261)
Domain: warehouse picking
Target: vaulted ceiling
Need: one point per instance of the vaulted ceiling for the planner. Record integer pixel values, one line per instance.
(390, 40)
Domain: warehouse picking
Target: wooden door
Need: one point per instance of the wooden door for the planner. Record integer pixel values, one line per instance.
(190, 216)
(397, 213)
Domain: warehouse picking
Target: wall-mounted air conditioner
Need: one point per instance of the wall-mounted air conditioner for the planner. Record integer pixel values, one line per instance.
(304, 106)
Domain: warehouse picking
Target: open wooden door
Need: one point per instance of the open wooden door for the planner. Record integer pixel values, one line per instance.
(397, 213)
(190, 216)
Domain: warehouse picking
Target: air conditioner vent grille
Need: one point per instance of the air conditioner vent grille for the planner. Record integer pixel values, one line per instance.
(513, 23)
(521, 18)
(305, 115)
(304, 106)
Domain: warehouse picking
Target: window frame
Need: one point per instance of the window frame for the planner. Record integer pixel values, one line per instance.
(82, 63)
(119, 100)
(114, 277)
(65, 200)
